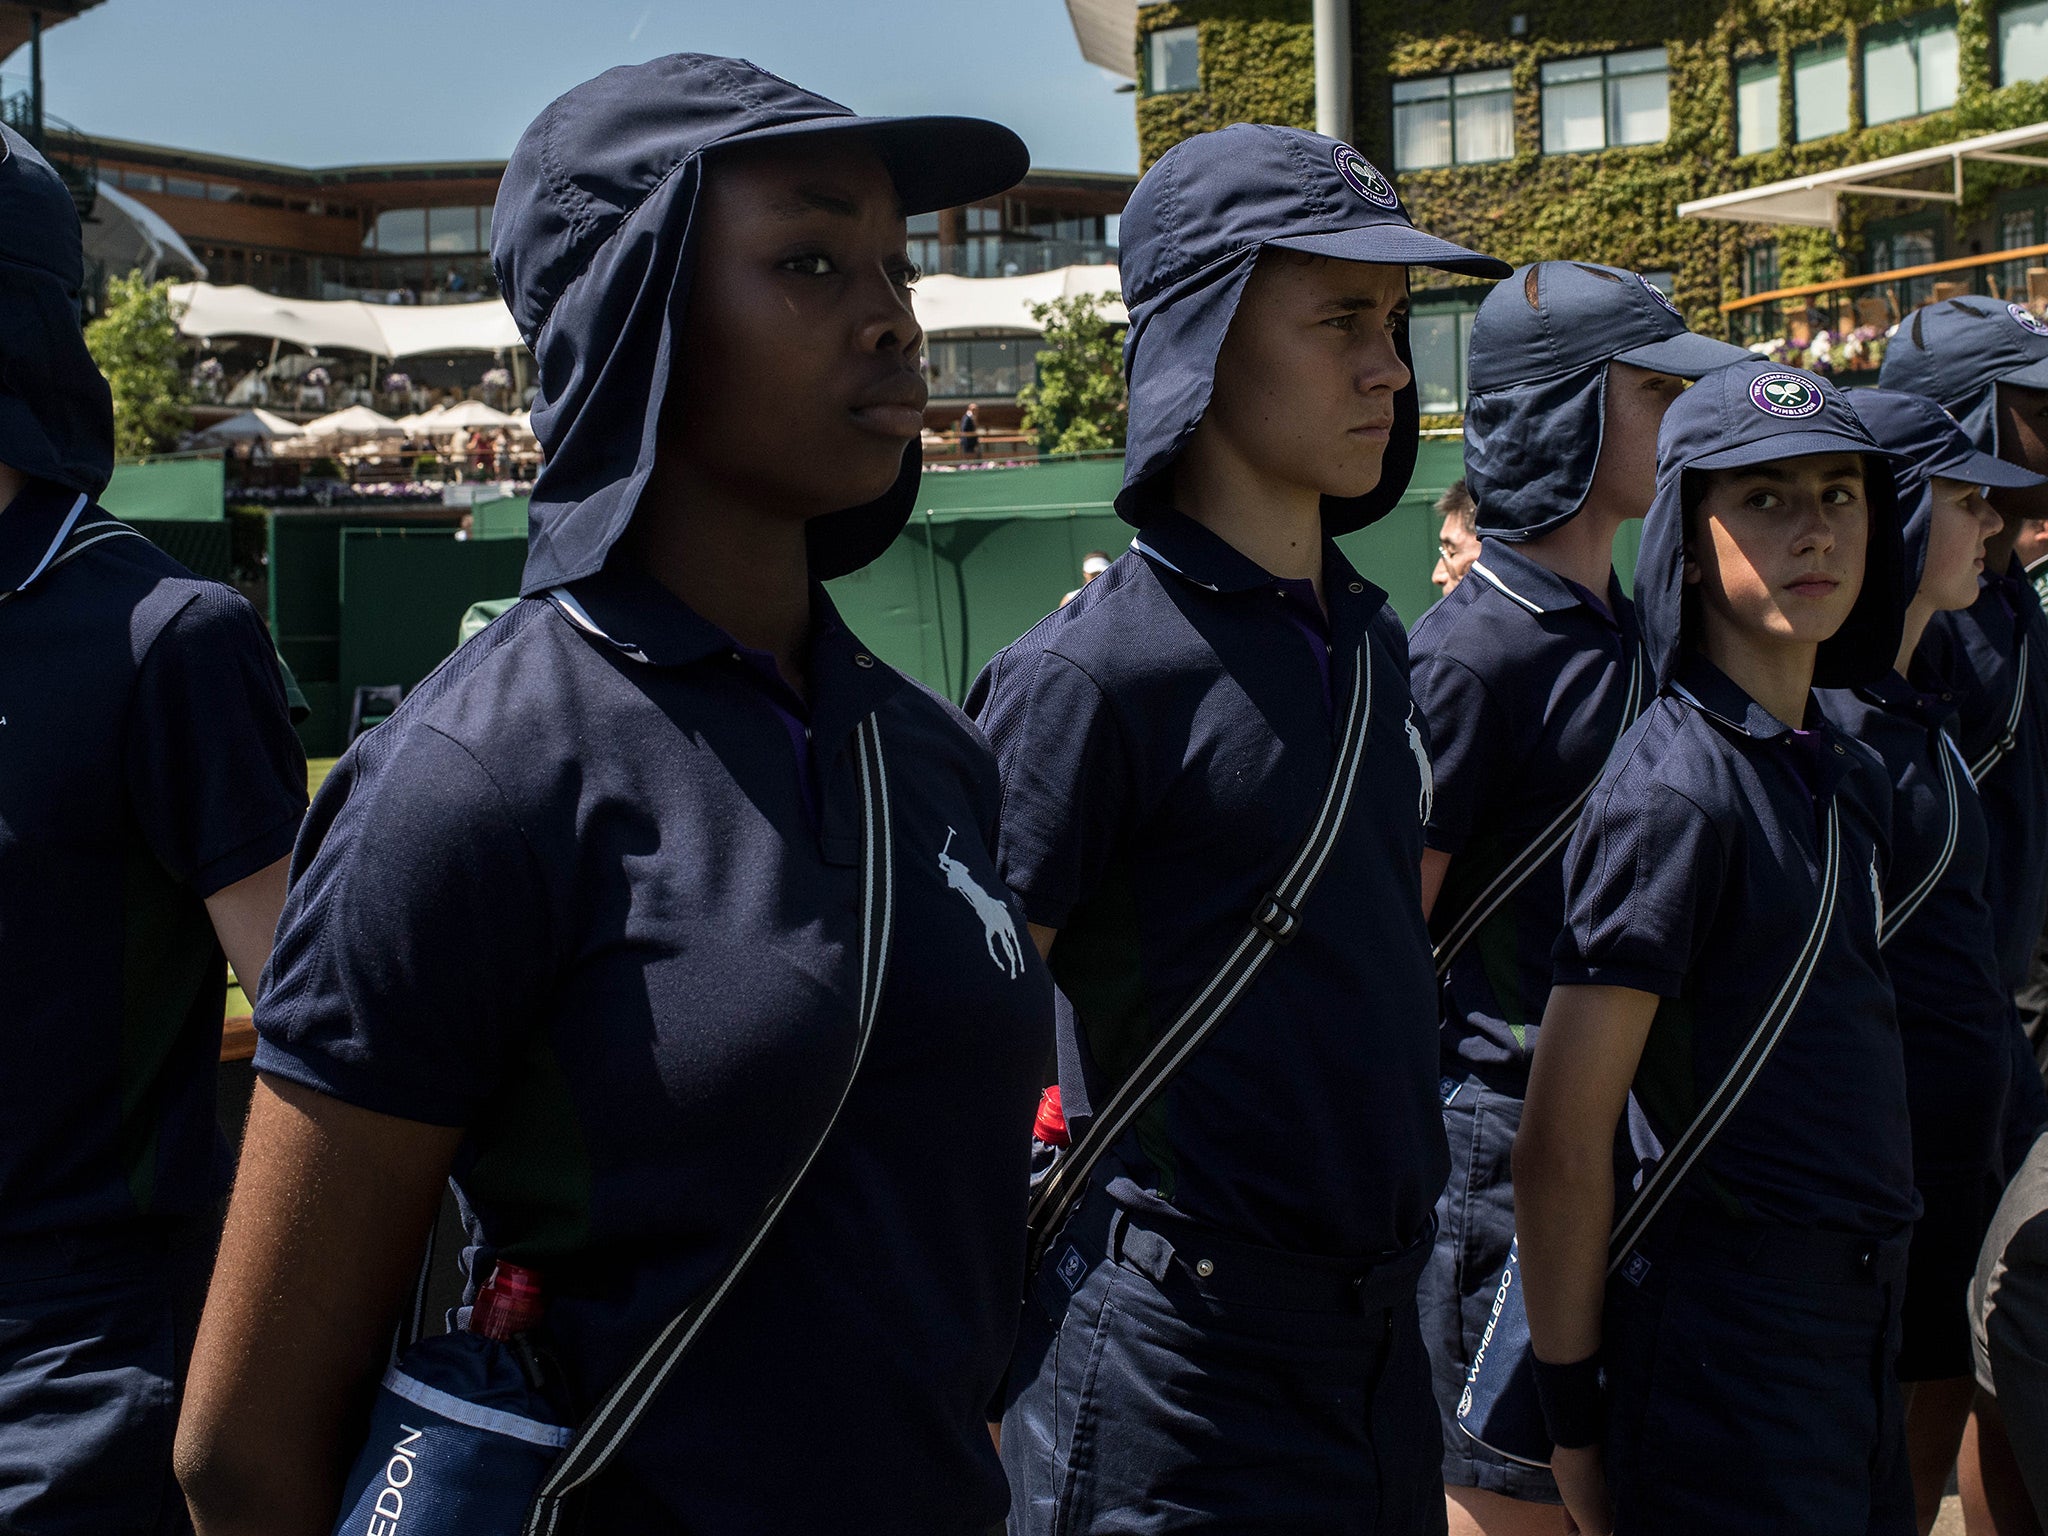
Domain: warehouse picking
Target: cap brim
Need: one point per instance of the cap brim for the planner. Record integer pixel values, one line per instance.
(1979, 468)
(1788, 445)
(1396, 245)
(1688, 355)
(936, 162)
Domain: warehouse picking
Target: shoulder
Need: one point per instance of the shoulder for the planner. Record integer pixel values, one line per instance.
(1109, 633)
(1669, 770)
(925, 732)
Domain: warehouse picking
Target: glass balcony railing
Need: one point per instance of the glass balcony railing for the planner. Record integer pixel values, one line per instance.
(987, 257)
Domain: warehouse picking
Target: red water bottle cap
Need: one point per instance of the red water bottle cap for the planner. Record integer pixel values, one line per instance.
(1051, 1125)
(508, 1304)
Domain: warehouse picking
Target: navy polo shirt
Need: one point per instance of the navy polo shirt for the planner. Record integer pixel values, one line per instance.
(1165, 746)
(1975, 654)
(1954, 1018)
(1525, 684)
(1695, 875)
(567, 899)
(146, 762)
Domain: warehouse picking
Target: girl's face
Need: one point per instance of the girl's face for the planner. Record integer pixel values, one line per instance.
(1777, 550)
(1306, 380)
(1961, 521)
(797, 384)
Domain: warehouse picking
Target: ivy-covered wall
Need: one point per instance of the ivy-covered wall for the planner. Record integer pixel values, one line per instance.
(1617, 205)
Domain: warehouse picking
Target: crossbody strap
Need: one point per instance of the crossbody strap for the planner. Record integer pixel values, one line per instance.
(1945, 751)
(1995, 753)
(1516, 872)
(73, 541)
(1728, 1094)
(601, 1435)
(1275, 922)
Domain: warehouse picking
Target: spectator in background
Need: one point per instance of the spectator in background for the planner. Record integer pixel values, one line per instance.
(2031, 550)
(1093, 564)
(1457, 542)
(458, 451)
(970, 431)
(2009, 1314)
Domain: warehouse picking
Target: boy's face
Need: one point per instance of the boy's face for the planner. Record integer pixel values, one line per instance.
(1305, 384)
(797, 382)
(1777, 549)
(1633, 407)
(1457, 546)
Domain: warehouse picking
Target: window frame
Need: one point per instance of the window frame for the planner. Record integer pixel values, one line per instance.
(1607, 78)
(1152, 44)
(1913, 31)
(1461, 312)
(1452, 97)
(1826, 51)
(2039, 8)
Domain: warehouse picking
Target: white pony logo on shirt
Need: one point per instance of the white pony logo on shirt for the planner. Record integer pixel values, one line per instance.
(998, 928)
(1427, 800)
(1877, 896)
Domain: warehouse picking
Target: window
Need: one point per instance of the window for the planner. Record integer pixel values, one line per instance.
(1913, 241)
(1760, 267)
(221, 193)
(1464, 119)
(982, 367)
(2022, 221)
(142, 181)
(1756, 106)
(1439, 336)
(2023, 42)
(184, 186)
(1173, 60)
(398, 231)
(451, 231)
(923, 247)
(1605, 102)
(1820, 90)
(1909, 68)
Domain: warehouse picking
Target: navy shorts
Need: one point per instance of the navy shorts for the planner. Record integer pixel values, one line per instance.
(1475, 1224)
(1750, 1372)
(1167, 1380)
(94, 1340)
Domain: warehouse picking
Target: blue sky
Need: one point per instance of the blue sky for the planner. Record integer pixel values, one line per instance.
(312, 83)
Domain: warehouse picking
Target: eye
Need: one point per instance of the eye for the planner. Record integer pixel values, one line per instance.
(906, 274)
(1839, 496)
(1344, 322)
(1761, 501)
(810, 264)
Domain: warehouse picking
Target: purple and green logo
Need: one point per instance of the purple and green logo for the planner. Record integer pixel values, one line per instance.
(1363, 177)
(1790, 395)
(2026, 319)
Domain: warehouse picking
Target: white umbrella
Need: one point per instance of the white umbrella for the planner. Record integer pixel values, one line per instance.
(356, 421)
(471, 414)
(522, 421)
(250, 426)
(422, 419)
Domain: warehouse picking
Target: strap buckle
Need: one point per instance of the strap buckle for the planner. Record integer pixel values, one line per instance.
(1276, 919)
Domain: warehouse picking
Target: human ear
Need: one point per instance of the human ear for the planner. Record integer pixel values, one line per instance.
(1692, 571)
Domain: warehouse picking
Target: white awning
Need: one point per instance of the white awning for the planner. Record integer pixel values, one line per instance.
(1107, 31)
(131, 236)
(1814, 201)
(384, 330)
(246, 428)
(949, 305)
(355, 421)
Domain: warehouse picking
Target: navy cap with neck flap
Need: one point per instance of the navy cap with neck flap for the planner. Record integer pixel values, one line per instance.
(1758, 413)
(1959, 351)
(1189, 238)
(1537, 376)
(593, 240)
(56, 412)
(1931, 446)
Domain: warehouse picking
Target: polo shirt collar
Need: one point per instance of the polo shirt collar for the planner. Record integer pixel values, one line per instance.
(33, 528)
(1822, 759)
(1898, 696)
(1508, 571)
(1175, 542)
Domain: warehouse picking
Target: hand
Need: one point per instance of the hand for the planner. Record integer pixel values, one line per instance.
(1582, 1481)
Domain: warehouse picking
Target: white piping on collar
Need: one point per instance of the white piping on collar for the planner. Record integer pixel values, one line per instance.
(63, 533)
(1152, 554)
(1479, 569)
(578, 615)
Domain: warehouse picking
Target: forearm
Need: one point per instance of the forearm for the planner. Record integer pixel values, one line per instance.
(1564, 1211)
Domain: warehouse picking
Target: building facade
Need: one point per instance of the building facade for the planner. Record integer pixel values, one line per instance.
(1533, 132)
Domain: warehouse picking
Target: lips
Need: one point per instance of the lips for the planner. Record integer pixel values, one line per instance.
(1814, 585)
(894, 410)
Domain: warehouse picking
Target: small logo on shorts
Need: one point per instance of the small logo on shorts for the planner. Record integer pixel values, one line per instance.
(1658, 294)
(2026, 319)
(1363, 177)
(1790, 395)
(1636, 1270)
(1072, 1268)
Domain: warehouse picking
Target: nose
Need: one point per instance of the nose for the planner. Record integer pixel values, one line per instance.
(1381, 367)
(1816, 527)
(1442, 574)
(890, 326)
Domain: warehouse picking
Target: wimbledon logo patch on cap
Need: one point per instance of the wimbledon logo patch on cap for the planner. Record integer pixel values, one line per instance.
(1363, 178)
(2026, 319)
(1790, 395)
(1658, 294)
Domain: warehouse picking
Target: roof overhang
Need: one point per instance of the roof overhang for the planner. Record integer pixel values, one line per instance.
(1107, 31)
(17, 19)
(1815, 201)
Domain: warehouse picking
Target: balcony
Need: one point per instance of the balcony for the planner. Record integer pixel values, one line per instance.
(986, 257)
(70, 153)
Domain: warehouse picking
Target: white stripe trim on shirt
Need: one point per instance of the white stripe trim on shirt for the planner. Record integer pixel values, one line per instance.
(1479, 569)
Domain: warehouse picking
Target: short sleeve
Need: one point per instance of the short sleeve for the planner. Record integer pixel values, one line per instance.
(216, 775)
(1066, 779)
(413, 955)
(1643, 876)
(1469, 736)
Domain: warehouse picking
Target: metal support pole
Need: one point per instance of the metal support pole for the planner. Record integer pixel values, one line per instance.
(35, 77)
(1333, 68)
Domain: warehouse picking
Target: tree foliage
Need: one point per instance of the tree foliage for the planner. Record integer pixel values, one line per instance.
(1077, 403)
(135, 342)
